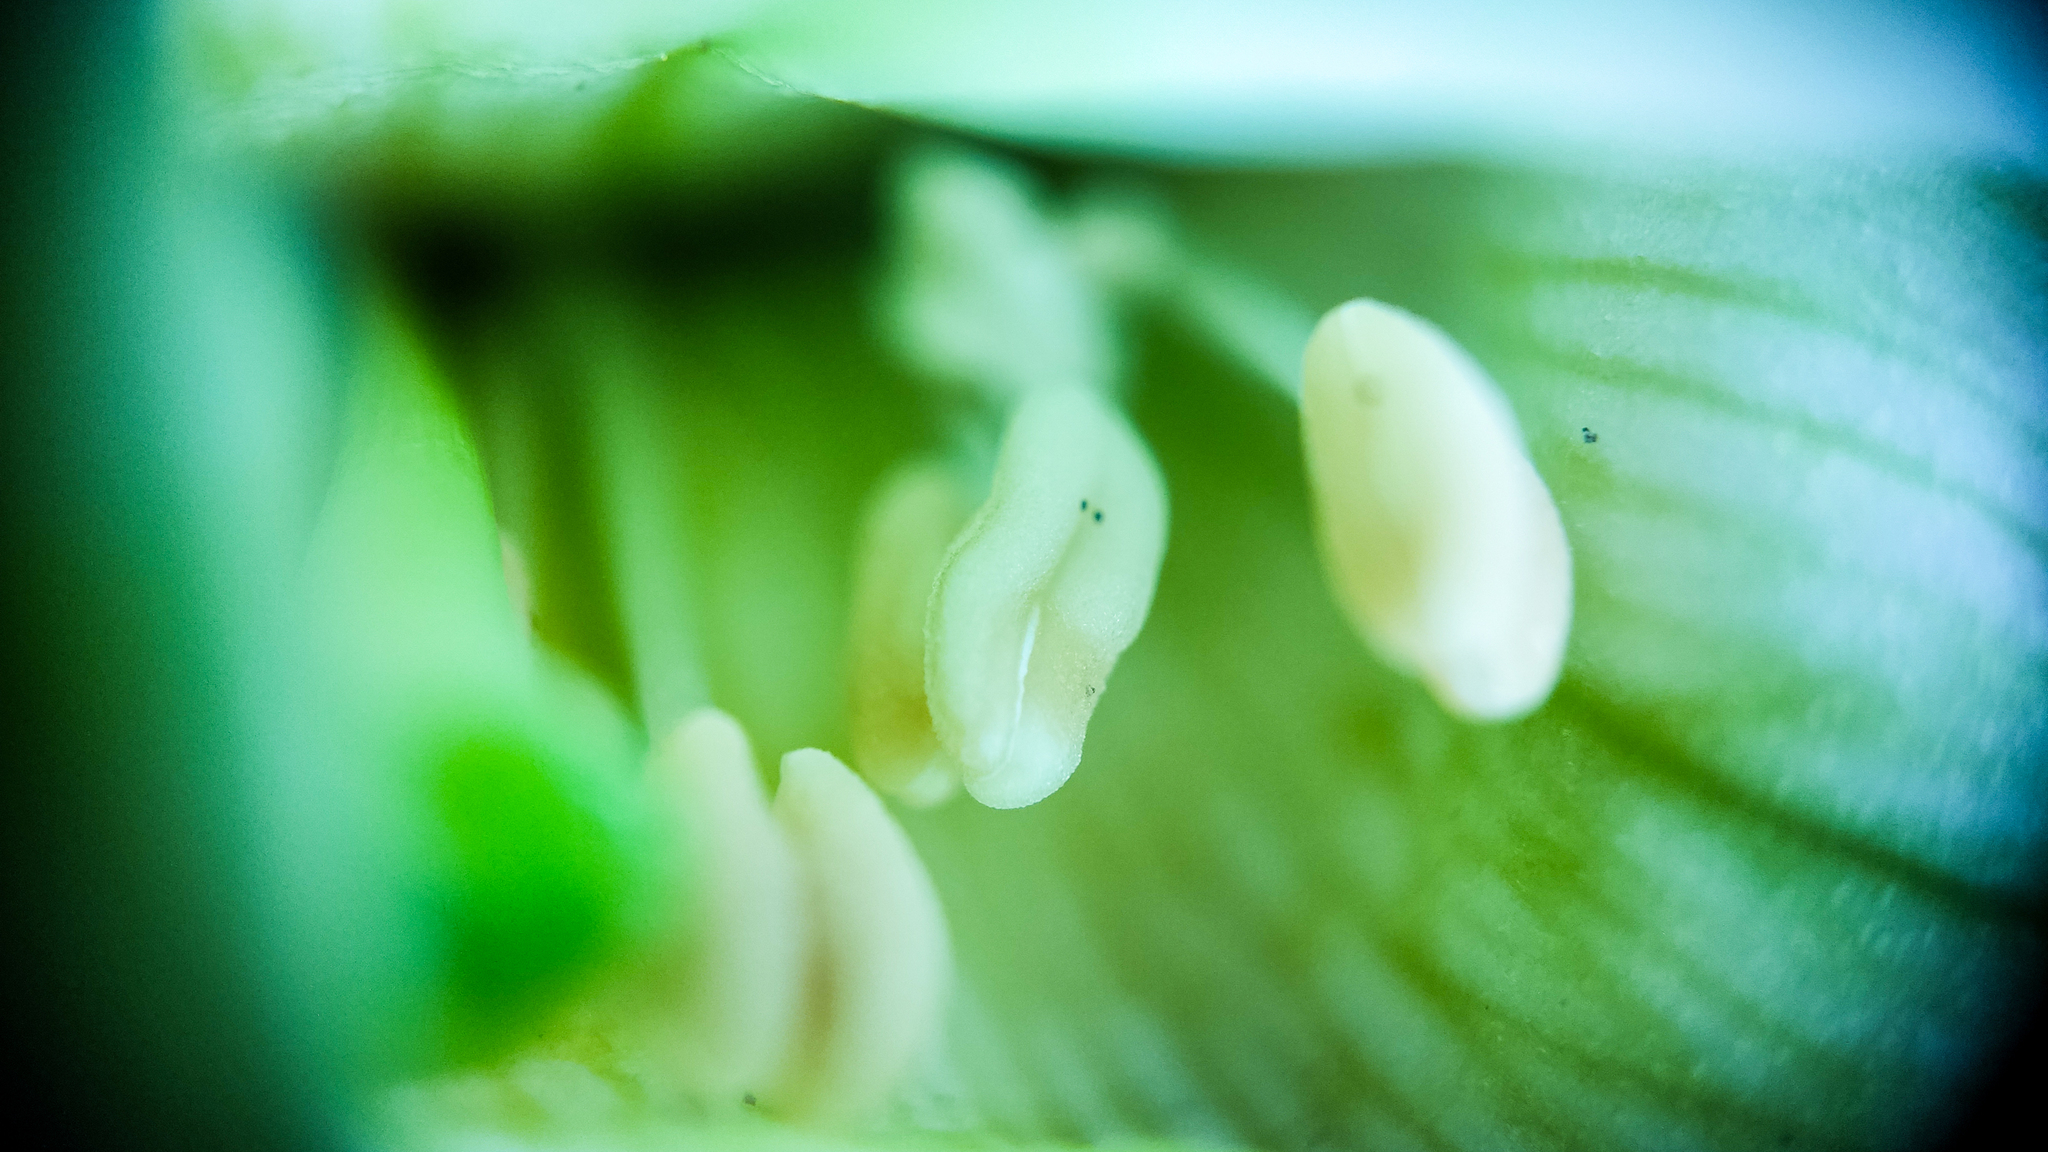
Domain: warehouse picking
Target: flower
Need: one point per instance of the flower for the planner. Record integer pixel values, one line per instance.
(1764, 867)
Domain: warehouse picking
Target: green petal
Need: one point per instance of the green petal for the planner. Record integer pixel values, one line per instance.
(536, 88)
(1318, 81)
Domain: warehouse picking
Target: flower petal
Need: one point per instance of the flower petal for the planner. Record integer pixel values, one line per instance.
(1316, 80)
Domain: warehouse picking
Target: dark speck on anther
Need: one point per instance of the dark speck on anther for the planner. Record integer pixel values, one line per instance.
(1084, 505)
(1589, 434)
(1098, 517)
(748, 1099)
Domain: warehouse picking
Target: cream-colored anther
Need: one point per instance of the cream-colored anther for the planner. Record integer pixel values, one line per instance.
(741, 992)
(910, 523)
(1441, 540)
(983, 292)
(1045, 588)
(882, 967)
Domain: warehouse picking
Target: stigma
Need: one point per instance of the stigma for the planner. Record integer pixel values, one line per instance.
(1440, 540)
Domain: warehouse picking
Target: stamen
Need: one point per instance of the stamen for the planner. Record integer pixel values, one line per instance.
(983, 293)
(883, 965)
(819, 963)
(910, 524)
(739, 1001)
(1440, 539)
(1038, 598)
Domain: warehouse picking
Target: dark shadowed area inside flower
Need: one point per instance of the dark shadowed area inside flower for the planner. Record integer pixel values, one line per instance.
(1763, 872)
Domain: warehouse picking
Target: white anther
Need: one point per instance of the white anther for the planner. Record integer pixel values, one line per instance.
(1440, 538)
(818, 964)
(910, 523)
(741, 989)
(983, 293)
(1045, 588)
(883, 963)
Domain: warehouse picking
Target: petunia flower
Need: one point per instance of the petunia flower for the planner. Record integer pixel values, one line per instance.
(1587, 691)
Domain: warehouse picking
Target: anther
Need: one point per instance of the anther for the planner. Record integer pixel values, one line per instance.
(740, 996)
(1441, 540)
(882, 967)
(910, 523)
(1030, 614)
(819, 964)
(983, 292)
